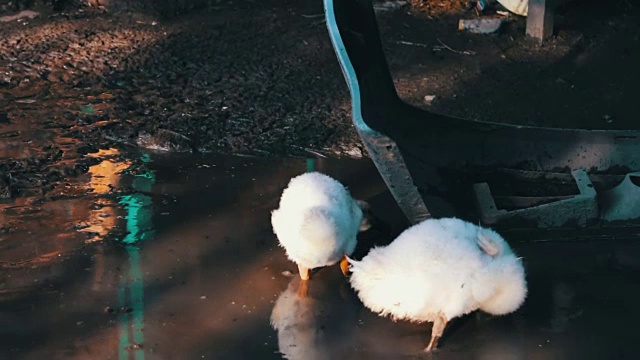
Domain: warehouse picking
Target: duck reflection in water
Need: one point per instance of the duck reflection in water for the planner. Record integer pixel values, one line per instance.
(317, 319)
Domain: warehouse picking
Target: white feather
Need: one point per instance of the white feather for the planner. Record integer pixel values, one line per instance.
(445, 266)
(317, 221)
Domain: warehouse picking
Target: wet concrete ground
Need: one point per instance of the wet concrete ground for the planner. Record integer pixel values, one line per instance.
(174, 258)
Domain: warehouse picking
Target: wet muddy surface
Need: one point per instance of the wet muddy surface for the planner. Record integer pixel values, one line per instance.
(174, 258)
(261, 79)
(110, 249)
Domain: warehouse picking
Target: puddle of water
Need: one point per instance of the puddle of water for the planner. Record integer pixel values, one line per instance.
(84, 211)
(196, 272)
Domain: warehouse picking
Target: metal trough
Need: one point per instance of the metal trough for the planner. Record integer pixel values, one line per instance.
(423, 155)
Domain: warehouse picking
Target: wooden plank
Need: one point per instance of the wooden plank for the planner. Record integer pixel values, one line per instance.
(540, 19)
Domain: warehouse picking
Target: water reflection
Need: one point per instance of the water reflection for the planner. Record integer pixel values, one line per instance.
(39, 234)
(138, 206)
(104, 178)
(207, 280)
(139, 213)
(563, 306)
(36, 229)
(316, 319)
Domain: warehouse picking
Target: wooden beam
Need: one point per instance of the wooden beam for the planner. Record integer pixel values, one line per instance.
(540, 18)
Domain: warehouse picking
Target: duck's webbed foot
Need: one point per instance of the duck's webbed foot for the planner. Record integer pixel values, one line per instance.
(344, 265)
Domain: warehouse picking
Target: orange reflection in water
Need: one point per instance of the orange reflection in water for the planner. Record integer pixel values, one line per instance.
(104, 177)
(83, 213)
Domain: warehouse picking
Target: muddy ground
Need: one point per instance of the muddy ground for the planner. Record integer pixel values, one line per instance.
(260, 78)
(81, 90)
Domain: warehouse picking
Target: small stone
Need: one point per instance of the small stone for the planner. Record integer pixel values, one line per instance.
(354, 152)
(480, 26)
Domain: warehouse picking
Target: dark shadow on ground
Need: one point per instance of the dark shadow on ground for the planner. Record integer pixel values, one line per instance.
(583, 77)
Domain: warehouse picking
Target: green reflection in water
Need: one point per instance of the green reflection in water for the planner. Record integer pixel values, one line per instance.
(311, 165)
(139, 227)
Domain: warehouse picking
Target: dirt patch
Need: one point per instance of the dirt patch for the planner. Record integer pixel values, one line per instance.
(261, 78)
(582, 77)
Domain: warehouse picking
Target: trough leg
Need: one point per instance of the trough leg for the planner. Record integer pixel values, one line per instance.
(385, 154)
(540, 19)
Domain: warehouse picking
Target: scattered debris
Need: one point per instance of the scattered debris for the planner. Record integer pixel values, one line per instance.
(313, 152)
(518, 7)
(445, 46)
(22, 14)
(401, 42)
(164, 140)
(153, 23)
(429, 99)
(480, 26)
(389, 6)
(312, 16)
(354, 152)
(478, 5)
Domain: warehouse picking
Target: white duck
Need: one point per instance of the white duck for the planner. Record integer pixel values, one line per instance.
(317, 222)
(438, 270)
